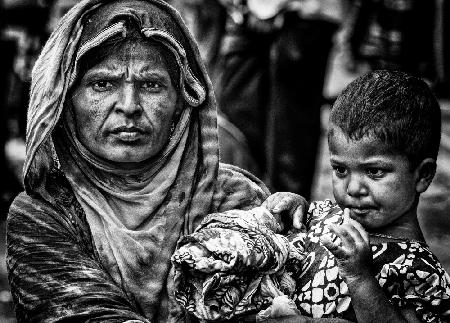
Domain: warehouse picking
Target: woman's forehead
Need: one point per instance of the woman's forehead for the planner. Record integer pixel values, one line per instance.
(137, 55)
(134, 50)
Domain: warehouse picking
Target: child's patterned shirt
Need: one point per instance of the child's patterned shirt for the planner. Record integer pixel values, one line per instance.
(410, 275)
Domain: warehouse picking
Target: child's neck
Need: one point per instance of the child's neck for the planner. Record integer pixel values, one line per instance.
(405, 228)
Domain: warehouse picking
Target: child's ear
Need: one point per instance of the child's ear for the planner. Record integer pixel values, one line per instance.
(424, 174)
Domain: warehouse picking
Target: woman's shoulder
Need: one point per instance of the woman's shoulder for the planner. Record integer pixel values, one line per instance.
(43, 215)
(238, 188)
(235, 176)
(30, 206)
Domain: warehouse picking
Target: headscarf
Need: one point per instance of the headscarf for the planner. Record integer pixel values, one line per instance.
(136, 216)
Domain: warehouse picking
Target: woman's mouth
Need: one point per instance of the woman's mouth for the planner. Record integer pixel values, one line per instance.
(128, 134)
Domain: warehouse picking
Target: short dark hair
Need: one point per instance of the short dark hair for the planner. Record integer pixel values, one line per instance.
(398, 109)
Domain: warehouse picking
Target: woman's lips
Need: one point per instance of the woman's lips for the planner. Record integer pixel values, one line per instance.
(128, 134)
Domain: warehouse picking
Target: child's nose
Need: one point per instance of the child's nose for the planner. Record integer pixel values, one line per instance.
(356, 186)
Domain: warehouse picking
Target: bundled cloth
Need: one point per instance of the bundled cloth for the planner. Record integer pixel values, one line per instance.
(233, 265)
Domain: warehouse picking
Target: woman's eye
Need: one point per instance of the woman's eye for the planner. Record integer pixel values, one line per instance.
(339, 171)
(101, 86)
(150, 85)
(375, 172)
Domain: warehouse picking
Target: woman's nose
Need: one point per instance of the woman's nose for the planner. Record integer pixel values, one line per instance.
(128, 102)
(356, 186)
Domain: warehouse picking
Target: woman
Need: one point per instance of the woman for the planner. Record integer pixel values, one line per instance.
(122, 160)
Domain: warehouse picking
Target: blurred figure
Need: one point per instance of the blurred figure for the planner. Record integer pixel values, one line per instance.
(436, 202)
(22, 33)
(207, 21)
(393, 34)
(269, 75)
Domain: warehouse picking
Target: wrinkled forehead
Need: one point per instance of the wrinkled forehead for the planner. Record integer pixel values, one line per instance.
(139, 57)
(142, 13)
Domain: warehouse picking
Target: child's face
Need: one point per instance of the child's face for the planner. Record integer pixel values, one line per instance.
(378, 186)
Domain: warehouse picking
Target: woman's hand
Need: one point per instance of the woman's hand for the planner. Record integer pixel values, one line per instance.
(353, 254)
(288, 208)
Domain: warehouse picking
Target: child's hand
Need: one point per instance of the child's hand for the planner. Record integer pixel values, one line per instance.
(353, 254)
(294, 205)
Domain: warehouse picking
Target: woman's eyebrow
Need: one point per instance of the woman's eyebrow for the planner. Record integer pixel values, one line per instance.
(151, 73)
(335, 160)
(104, 72)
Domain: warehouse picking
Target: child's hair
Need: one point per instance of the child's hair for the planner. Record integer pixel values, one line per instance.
(396, 108)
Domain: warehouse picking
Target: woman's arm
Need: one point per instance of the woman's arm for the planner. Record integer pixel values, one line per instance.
(53, 271)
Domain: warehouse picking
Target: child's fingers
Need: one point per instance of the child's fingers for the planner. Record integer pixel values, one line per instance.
(352, 225)
(346, 216)
(332, 247)
(342, 231)
(359, 233)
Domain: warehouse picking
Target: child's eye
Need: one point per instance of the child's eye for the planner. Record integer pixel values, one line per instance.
(375, 172)
(101, 86)
(339, 171)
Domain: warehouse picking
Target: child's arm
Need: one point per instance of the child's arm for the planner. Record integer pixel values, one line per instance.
(354, 258)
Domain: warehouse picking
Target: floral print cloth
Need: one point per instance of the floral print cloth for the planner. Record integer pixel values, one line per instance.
(407, 271)
(231, 264)
(236, 263)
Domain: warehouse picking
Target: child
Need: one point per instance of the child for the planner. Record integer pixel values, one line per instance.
(364, 258)
(383, 139)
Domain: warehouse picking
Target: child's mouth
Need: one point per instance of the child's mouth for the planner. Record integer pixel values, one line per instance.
(359, 211)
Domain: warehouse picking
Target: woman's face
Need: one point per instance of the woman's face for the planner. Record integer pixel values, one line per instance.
(124, 106)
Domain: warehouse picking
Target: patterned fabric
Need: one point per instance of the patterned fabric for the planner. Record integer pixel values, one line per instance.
(221, 274)
(183, 183)
(228, 266)
(407, 271)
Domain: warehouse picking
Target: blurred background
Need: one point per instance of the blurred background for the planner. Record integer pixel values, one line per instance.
(276, 66)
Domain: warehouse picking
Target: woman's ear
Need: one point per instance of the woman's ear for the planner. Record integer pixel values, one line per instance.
(424, 174)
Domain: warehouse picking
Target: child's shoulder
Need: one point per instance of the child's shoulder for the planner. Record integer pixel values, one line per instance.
(409, 256)
(413, 277)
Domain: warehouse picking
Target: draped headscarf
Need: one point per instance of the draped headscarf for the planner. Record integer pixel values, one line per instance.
(136, 216)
